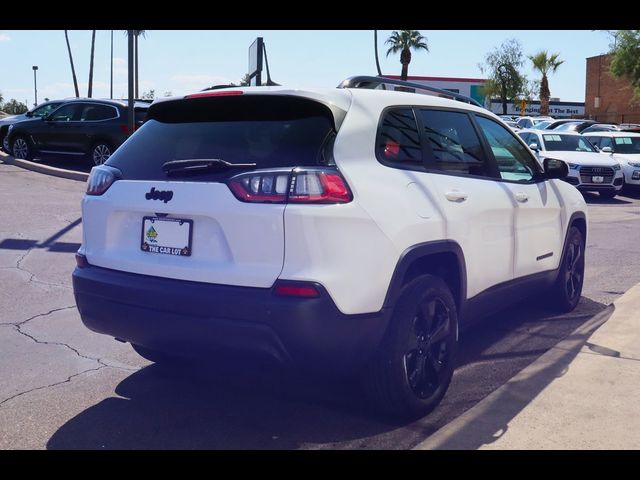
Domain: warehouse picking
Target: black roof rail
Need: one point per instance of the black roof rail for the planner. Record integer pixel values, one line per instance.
(364, 81)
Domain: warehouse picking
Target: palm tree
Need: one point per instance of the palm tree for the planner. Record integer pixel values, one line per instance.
(73, 70)
(93, 44)
(545, 64)
(403, 41)
(375, 47)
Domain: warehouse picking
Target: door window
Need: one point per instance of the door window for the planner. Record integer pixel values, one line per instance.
(452, 143)
(514, 160)
(67, 113)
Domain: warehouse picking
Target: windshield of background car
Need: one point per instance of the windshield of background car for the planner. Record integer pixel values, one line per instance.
(566, 143)
(630, 145)
(268, 130)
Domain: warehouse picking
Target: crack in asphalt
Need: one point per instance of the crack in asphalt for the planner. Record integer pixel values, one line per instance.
(37, 315)
(102, 364)
(68, 380)
(32, 276)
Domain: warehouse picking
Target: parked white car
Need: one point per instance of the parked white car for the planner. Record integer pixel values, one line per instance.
(624, 147)
(349, 230)
(588, 169)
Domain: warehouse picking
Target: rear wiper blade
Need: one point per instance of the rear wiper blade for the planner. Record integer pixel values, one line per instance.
(199, 165)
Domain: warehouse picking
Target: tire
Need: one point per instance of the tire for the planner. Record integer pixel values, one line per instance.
(100, 153)
(567, 288)
(153, 355)
(410, 374)
(21, 149)
(608, 194)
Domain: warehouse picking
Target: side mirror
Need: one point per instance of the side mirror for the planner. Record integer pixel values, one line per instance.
(28, 114)
(555, 168)
(534, 146)
(606, 150)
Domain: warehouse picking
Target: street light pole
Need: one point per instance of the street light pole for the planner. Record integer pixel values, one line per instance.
(111, 90)
(35, 84)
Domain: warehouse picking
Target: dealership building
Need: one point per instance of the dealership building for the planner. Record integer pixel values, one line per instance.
(472, 87)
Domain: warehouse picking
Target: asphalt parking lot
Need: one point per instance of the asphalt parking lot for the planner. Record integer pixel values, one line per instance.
(64, 387)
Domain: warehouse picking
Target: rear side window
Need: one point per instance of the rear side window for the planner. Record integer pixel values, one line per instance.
(453, 142)
(93, 113)
(270, 131)
(398, 139)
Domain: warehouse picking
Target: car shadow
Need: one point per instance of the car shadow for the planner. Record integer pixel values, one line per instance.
(594, 198)
(71, 163)
(247, 404)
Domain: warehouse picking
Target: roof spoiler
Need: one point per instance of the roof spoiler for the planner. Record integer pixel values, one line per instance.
(364, 81)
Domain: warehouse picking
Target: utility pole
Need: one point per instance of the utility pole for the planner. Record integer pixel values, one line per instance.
(35, 83)
(131, 66)
(111, 90)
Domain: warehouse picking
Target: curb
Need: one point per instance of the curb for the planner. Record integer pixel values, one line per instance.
(484, 424)
(46, 169)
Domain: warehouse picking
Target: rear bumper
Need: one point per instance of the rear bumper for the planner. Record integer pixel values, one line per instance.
(195, 319)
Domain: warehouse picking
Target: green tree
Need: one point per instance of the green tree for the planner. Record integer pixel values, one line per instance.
(14, 107)
(150, 95)
(404, 41)
(545, 64)
(168, 93)
(246, 80)
(73, 70)
(1, 100)
(93, 45)
(625, 60)
(502, 67)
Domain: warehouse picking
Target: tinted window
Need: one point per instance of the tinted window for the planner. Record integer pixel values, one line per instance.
(514, 160)
(566, 143)
(453, 143)
(67, 113)
(525, 137)
(626, 145)
(92, 113)
(270, 133)
(398, 138)
(45, 110)
(595, 141)
(605, 142)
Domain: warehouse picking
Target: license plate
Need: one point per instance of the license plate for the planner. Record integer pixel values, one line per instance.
(597, 179)
(169, 236)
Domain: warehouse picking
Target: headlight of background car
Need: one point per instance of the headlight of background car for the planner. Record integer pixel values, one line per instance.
(617, 167)
(573, 166)
(633, 164)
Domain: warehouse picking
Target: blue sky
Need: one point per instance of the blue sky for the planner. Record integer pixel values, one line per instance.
(183, 61)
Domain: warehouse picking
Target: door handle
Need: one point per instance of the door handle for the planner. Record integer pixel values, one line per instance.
(522, 197)
(456, 196)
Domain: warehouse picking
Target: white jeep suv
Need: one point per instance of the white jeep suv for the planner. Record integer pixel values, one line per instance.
(348, 230)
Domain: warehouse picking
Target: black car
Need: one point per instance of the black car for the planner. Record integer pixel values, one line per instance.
(41, 110)
(88, 128)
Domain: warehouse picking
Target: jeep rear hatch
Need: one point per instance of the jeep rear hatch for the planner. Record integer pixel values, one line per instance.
(170, 210)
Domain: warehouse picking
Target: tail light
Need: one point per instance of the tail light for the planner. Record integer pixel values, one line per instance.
(301, 185)
(287, 288)
(101, 178)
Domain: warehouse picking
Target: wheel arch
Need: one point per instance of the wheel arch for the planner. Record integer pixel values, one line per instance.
(443, 258)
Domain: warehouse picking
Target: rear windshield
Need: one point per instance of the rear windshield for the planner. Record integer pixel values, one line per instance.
(269, 131)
